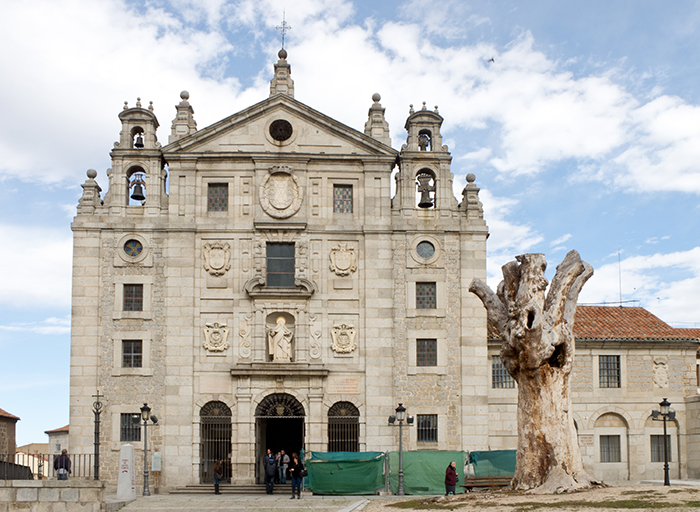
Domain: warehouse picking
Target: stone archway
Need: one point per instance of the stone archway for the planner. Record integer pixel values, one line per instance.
(215, 440)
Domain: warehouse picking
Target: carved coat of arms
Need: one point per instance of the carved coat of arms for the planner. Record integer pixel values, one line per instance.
(343, 338)
(216, 337)
(217, 258)
(280, 193)
(343, 260)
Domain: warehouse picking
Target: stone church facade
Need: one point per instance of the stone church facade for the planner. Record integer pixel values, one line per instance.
(280, 280)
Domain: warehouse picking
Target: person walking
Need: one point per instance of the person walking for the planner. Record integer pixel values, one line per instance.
(284, 464)
(296, 469)
(218, 473)
(62, 465)
(270, 466)
(451, 478)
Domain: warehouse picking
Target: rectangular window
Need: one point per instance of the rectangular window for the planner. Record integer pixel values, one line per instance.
(217, 197)
(133, 297)
(128, 430)
(280, 265)
(342, 198)
(657, 448)
(610, 449)
(609, 371)
(426, 352)
(500, 378)
(427, 428)
(426, 296)
(132, 353)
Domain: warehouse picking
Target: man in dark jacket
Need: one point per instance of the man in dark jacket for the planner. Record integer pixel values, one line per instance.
(62, 465)
(270, 466)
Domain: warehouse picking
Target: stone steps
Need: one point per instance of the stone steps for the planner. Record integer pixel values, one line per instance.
(231, 489)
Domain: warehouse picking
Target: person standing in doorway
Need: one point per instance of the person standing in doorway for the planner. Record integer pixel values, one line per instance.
(451, 478)
(62, 465)
(270, 466)
(284, 464)
(218, 473)
(296, 469)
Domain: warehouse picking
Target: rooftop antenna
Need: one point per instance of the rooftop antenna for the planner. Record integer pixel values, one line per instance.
(619, 274)
(284, 27)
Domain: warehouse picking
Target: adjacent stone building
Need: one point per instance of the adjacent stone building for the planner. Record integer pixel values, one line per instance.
(280, 280)
(8, 444)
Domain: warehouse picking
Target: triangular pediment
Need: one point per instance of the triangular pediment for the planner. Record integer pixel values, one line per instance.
(248, 131)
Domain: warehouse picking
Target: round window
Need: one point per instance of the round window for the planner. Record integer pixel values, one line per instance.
(425, 250)
(280, 130)
(133, 248)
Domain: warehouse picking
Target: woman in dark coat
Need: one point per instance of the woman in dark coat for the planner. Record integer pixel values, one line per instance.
(451, 478)
(218, 473)
(295, 469)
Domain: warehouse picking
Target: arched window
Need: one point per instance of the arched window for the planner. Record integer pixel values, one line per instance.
(136, 186)
(214, 440)
(343, 428)
(425, 183)
(425, 140)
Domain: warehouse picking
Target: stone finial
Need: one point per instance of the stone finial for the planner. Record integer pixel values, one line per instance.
(184, 123)
(282, 82)
(126, 105)
(138, 102)
(470, 199)
(376, 126)
(91, 194)
(410, 109)
(150, 106)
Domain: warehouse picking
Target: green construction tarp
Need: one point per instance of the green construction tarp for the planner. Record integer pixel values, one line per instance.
(424, 471)
(345, 472)
(493, 463)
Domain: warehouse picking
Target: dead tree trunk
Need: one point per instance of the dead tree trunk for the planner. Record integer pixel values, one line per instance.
(538, 352)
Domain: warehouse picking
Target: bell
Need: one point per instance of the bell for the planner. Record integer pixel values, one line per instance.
(425, 188)
(138, 193)
(139, 141)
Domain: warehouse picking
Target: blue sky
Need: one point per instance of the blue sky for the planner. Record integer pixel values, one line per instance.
(584, 133)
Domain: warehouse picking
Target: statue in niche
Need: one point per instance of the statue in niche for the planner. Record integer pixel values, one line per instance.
(279, 341)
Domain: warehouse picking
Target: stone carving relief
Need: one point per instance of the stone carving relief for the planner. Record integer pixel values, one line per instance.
(245, 332)
(343, 338)
(216, 337)
(280, 193)
(661, 372)
(217, 258)
(343, 259)
(279, 341)
(315, 339)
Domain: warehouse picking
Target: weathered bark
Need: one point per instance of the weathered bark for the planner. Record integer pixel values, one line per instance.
(538, 352)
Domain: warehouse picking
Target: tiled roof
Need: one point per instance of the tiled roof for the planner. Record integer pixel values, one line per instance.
(6, 414)
(620, 323)
(56, 430)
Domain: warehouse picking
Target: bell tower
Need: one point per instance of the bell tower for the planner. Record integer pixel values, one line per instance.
(137, 177)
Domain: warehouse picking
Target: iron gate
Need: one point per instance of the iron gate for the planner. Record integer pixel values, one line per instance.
(215, 441)
(343, 428)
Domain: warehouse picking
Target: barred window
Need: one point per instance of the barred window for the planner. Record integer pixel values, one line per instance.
(280, 265)
(427, 428)
(426, 352)
(657, 448)
(130, 431)
(426, 296)
(609, 371)
(343, 428)
(342, 198)
(133, 297)
(132, 353)
(610, 449)
(500, 378)
(217, 197)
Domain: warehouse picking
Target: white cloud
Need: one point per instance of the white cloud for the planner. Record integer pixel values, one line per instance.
(49, 326)
(561, 239)
(37, 272)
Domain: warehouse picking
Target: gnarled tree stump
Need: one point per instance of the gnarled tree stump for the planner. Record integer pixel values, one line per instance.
(538, 352)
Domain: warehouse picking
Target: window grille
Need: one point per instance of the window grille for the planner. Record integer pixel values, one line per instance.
(342, 198)
(426, 296)
(130, 431)
(426, 352)
(132, 353)
(610, 449)
(343, 428)
(500, 378)
(427, 428)
(609, 370)
(133, 297)
(280, 265)
(657, 448)
(217, 197)
(214, 441)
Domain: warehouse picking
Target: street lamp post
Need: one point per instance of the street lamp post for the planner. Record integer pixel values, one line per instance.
(97, 410)
(145, 416)
(666, 412)
(400, 417)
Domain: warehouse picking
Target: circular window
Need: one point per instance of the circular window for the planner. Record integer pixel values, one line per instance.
(280, 130)
(425, 250)
(133, 248)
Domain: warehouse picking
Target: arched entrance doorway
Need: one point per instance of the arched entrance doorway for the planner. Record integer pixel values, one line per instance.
(214, 440)
(279, 425)
(343, 428)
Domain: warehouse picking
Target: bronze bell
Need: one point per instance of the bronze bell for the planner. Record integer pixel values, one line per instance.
(139, 141)
(138, 193)
(425, 188)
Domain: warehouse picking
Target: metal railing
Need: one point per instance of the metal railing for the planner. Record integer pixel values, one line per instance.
(40, 466)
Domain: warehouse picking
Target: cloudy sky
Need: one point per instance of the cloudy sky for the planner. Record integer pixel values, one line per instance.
(583, 132)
